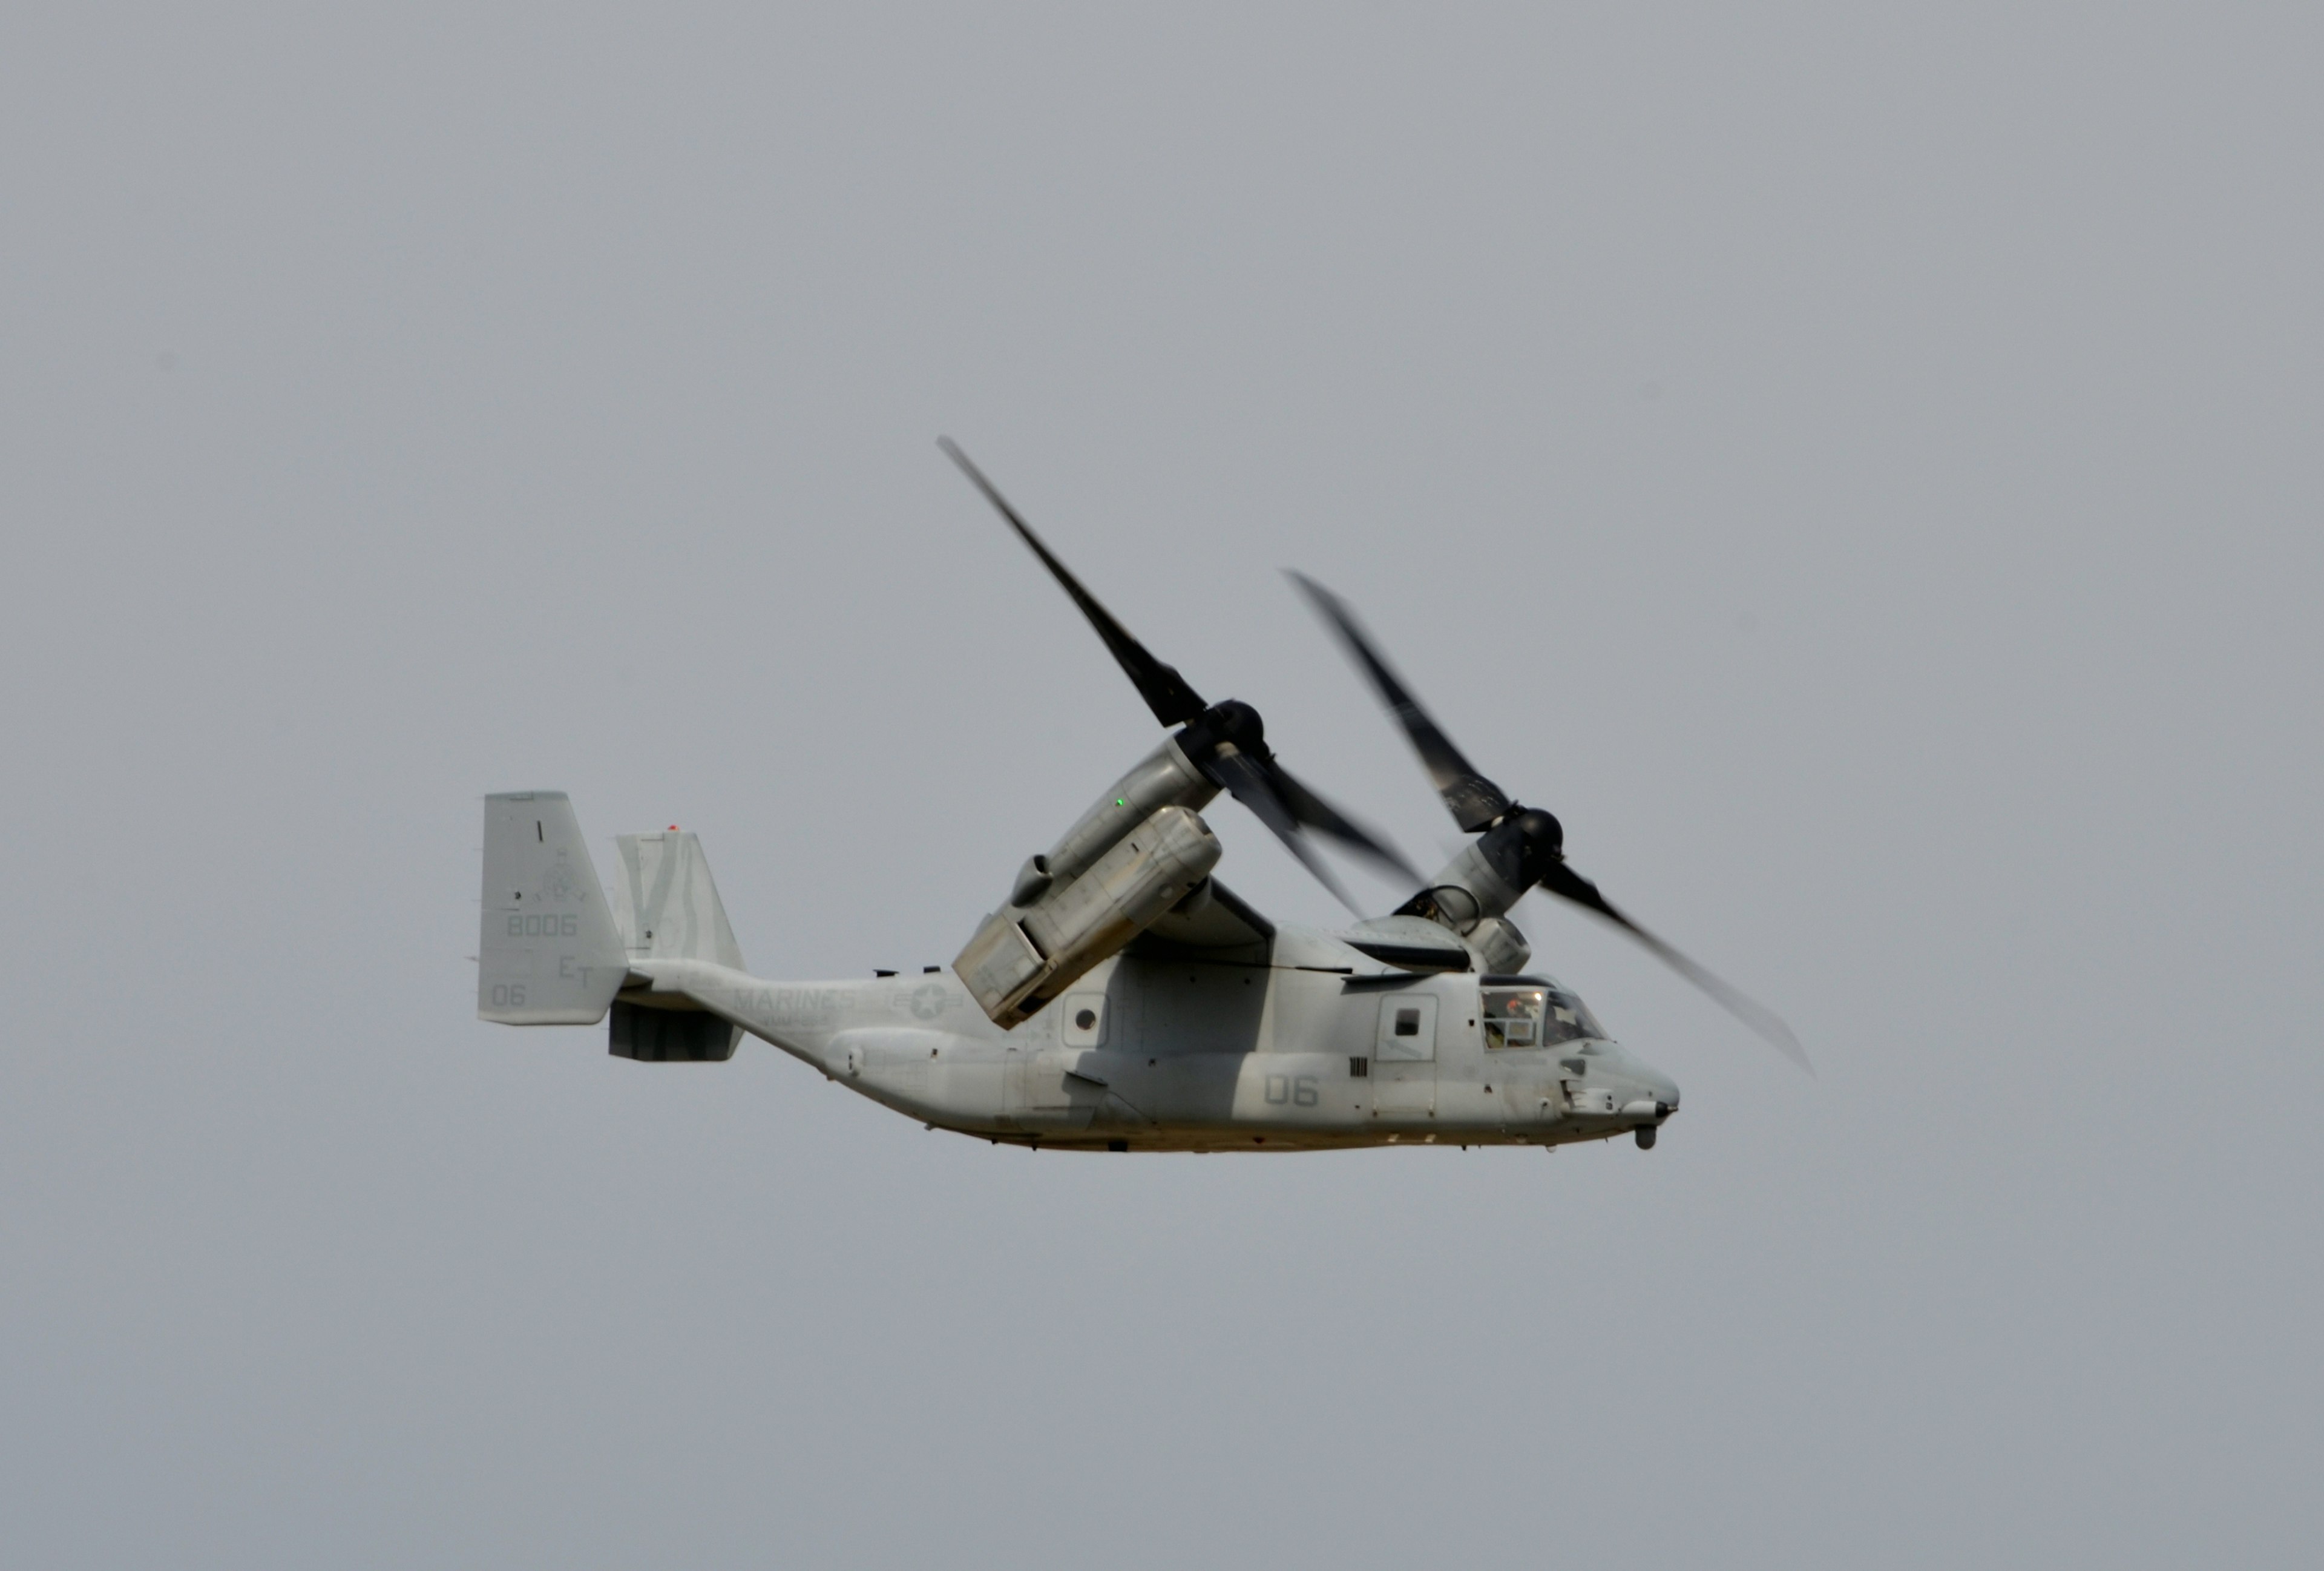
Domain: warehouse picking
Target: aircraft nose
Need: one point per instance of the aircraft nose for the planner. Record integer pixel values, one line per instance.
(1651, 1110)
(1661, 1087)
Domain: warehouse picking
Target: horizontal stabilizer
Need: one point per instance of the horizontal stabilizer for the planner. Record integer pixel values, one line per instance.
(670, 1036)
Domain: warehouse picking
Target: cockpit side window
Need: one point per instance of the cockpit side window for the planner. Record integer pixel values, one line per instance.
(1513, 1017)
(1535, 1015)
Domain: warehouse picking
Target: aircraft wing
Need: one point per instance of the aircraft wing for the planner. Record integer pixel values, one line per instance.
(1223, 924)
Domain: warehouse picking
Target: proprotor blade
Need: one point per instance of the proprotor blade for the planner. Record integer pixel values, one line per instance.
(1225, 741)
(1166, 692)
(1253, 784)
(1474, 800)
(1316, 814)
(1531, 839)
(1567, 884)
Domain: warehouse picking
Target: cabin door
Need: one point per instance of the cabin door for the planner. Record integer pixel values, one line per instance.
(1403, 1060)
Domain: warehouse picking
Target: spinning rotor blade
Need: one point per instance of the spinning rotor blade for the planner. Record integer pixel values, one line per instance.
(1567, 884)
(1166, 692)
(1477, 804)
(1321, 817)
(1245, 779)
(1474, 800)
(1225, 741)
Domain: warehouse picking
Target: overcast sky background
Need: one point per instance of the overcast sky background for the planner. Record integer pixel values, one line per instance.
(1860, 468)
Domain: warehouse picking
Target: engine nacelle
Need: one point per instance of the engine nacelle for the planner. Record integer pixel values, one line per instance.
(1503, 949)
(1479, 883)
(1023, 956)
(1163, 778)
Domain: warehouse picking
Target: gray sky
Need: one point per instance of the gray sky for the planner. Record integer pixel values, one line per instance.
(1860, 469)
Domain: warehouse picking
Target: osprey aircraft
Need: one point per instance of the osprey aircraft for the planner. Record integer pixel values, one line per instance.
(1121, 998)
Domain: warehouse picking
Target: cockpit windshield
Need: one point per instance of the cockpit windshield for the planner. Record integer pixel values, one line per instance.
(1528, 1012)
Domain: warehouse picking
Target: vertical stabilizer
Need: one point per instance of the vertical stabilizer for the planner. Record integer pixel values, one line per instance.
(665, 905)
(550, 953)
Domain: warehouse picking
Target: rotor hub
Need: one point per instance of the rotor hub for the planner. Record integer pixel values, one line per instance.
(1229, 724)
(1544, 840)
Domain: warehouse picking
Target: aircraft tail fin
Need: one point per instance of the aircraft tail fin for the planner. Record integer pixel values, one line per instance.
(665, 903)
(550, 953)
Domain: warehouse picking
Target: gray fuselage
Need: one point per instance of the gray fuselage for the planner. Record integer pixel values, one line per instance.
(1318, 1047)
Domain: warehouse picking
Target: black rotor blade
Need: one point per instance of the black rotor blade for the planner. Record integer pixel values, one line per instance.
(1243, 778)
(1166, 692)
(1474, 800)
(1316, 814)
(1567, 884)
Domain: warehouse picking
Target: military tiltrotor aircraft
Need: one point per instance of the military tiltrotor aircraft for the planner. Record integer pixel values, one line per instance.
(1123, 999)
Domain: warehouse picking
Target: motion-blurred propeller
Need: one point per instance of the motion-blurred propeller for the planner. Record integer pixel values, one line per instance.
(1226, 741)
(1526, 845)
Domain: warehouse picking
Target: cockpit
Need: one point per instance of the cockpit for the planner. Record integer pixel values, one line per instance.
(1533, 1012)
